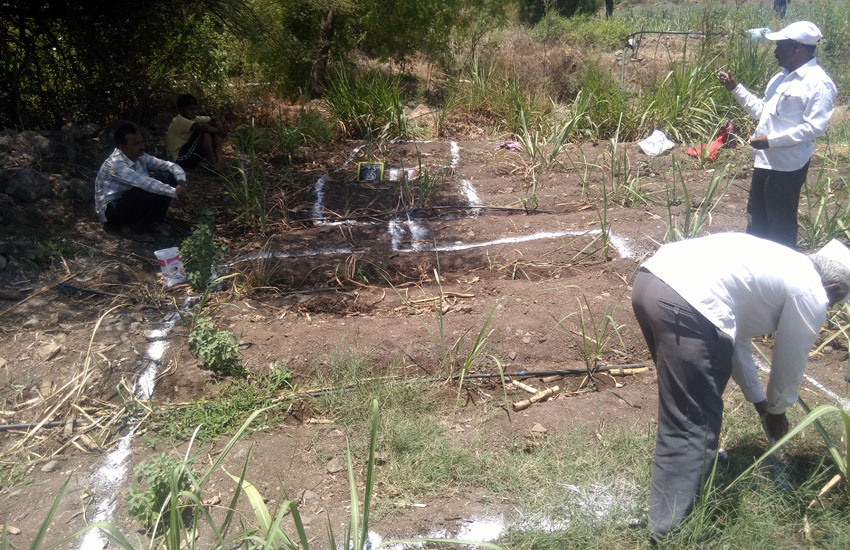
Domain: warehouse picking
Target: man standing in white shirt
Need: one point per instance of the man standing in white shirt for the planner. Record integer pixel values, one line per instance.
(699, 303)
(796, 108)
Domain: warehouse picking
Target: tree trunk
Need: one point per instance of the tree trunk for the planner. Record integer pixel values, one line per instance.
(323, 52)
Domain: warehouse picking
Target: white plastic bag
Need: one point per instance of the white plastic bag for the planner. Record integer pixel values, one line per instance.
(656, 144)
(171, 266)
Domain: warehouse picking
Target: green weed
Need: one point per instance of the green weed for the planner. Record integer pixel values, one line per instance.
(217, 349)
(199, 252)
(594, 334)
(246, 186)
(691, 223)
(220, 415)
(159, 477)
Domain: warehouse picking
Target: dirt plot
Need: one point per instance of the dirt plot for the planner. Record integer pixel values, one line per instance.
(466, 249)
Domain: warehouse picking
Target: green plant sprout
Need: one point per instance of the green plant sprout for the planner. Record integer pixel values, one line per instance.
(691, 224)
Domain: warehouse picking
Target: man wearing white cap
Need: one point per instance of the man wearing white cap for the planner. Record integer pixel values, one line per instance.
(699, 303)
(796, 108)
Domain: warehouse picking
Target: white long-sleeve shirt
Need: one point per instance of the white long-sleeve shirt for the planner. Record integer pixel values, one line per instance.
(118, 174)
(794, 112)
(749, 287)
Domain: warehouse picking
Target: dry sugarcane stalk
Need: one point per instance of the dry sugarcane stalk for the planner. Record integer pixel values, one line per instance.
(830, 485)
(526, 387)
(624, 372)
(539, 396)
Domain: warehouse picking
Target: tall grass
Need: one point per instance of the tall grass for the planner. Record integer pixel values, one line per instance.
(825, 212)
(368, 105)
(247, 186)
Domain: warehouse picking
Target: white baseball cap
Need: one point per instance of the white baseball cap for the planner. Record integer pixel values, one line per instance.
(836, 251)
(804, 32)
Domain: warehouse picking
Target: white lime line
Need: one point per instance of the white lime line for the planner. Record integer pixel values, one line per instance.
(842, 402)
(319, 204)
(109, 476)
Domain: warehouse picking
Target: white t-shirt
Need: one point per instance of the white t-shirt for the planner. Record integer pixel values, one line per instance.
(749, 287)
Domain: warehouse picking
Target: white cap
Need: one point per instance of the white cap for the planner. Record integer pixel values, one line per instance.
(836, 251)
(804, 32)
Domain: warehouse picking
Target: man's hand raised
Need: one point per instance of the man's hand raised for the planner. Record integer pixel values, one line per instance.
(727, 80)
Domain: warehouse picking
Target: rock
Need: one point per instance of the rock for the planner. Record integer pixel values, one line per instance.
(512, 355)
(50, 467)
(11, 529)
(213, 500)
(3, 262)
(48, 351)
(309, 497)
(31, 142)
(538, 429)
(3, 363)
(71, 132)
(335, 466)
(26, 184)
(419, 111)
(32, 322)
(80, 189)
(526, 339)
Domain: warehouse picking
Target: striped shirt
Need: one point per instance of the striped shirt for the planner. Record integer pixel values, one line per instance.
(118, 174)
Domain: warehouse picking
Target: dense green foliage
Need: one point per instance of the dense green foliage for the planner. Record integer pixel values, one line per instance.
(199, 252)
(158, 477)
(532, 11)
(61, 60)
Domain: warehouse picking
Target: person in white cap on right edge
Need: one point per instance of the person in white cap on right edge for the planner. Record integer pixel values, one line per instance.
(699, 303)
(796, 108)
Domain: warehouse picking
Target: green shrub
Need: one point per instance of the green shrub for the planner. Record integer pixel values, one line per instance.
(157, 477)
(199, 252)
(217, 349)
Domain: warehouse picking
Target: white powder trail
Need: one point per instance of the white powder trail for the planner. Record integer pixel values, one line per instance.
(418, 233)
(395, 234)
(471, 195)
(842, 402)
(598, 503)
(110, 474)
(319, 205)
(455, 148)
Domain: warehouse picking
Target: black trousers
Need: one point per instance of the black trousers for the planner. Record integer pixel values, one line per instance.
(138, 208)
(693, 360)
(772, 204)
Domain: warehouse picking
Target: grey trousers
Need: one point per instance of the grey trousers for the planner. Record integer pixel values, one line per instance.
(694, 362)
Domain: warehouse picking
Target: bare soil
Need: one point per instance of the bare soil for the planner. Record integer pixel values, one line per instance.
(312, 305)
